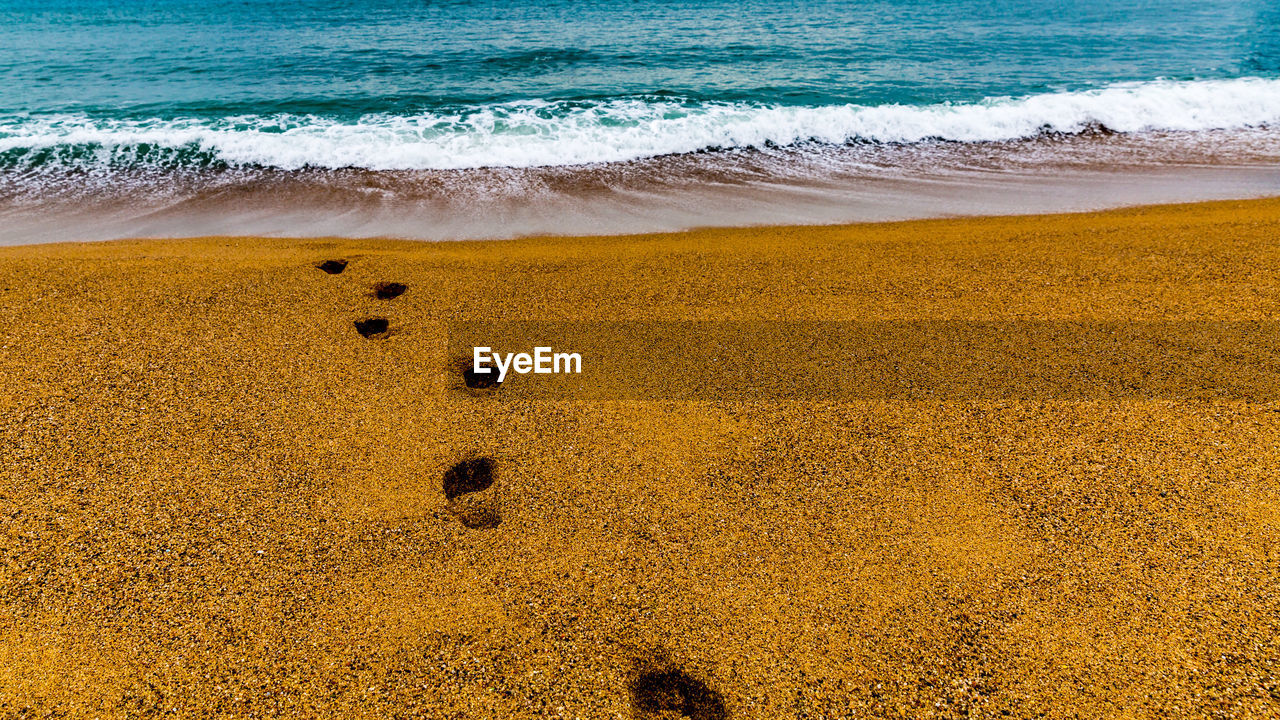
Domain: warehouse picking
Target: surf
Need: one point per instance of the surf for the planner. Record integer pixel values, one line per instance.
(547, 133)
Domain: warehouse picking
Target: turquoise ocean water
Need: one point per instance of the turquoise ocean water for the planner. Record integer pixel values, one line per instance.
(442, 119)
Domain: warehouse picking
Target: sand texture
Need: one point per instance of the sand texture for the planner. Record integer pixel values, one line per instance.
(223, 498)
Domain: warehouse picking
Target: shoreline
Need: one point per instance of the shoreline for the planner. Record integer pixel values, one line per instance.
(665, 194)
(227, 492)
(823, 227)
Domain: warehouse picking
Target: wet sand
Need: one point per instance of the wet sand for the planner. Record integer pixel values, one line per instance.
(221, 497)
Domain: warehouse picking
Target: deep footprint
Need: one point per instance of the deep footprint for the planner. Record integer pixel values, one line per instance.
(672, 691)
(372, 326)
(475, 380)
(387, 291)
(478, 380)
(468, 476)
(333, 267)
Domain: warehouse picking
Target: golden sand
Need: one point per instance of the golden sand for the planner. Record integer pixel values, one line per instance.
(220, 499)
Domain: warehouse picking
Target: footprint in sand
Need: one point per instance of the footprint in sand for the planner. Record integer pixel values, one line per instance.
(475, 516)
(333, 267)
(475, 380)
(464, 485)
(389, 290)
(478, 380)
(672, 693)
(372, 327)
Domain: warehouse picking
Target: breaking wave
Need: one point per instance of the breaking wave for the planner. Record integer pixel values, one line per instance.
(561, 133)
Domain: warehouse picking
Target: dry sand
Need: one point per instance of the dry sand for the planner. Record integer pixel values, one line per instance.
(220, 499)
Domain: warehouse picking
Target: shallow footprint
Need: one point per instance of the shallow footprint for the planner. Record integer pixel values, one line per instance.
(662, 693)
(476, 513)
(388, 291)
(468, 476)
(463, 485)
(370, 327)
(333, 267)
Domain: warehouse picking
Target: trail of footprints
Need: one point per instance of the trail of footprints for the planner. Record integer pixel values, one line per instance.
(654, 694)
(464, 483)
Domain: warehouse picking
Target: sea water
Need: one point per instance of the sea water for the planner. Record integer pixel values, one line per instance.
(443, 119)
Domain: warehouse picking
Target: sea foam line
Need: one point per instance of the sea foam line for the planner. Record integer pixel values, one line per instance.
(541, 133)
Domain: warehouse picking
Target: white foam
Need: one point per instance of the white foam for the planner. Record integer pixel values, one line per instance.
(537, 133)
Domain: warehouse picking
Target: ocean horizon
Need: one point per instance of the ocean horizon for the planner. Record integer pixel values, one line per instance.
(443, 120)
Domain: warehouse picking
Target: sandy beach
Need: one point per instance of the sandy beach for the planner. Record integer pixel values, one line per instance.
(222, 499)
